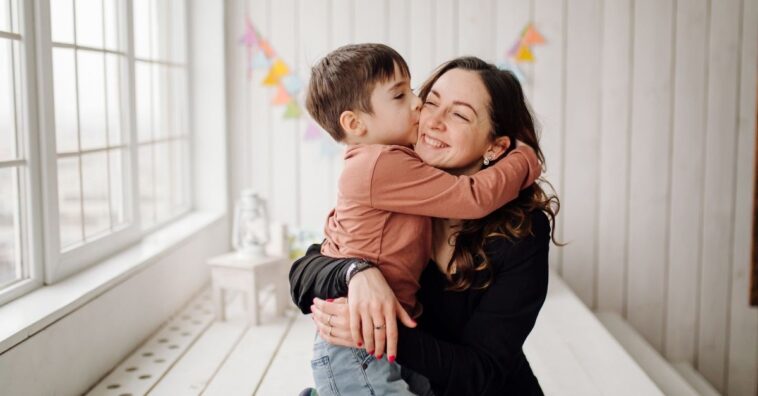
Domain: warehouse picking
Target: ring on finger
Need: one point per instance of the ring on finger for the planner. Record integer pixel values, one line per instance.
(330, 330)
(380, 327)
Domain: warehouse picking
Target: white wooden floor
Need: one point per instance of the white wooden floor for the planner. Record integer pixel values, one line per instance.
(570, 351)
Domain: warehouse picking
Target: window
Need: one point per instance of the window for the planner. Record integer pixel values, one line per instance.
(13, 162)
(114, 142)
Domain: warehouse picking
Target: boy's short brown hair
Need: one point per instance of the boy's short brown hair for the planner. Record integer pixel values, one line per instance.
(344, 79)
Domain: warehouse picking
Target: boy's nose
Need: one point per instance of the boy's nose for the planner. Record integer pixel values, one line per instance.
(416, 103)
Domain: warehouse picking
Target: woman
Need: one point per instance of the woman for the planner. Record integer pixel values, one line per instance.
(487, 279)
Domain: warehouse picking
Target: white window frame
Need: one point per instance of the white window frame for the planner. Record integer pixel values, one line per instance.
(29, 193)
(58, 264)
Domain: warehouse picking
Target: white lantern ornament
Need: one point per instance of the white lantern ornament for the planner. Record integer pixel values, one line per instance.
(250, 234)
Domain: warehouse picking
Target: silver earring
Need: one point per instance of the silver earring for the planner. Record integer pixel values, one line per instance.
(486, 160)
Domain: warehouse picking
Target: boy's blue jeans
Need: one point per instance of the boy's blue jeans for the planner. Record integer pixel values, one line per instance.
(352, 371)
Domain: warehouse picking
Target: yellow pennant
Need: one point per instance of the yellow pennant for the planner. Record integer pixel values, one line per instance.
(524, 54)
(278, 70)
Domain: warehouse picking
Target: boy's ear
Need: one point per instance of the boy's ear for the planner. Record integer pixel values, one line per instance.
(352, 124)
(498, 147)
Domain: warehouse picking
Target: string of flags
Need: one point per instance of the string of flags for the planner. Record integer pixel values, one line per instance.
(521, 51)
(287, 85)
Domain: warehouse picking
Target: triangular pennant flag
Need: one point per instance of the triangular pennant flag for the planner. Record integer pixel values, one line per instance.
(292, 83)
(275, 74)
(532, 36)
(266, 47)
(260, 61)
(524, 54)
(293, 110)
(282, 97)
(514, 49)
(250, 38)
(312, 132)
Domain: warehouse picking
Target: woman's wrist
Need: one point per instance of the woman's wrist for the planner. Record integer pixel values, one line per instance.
(355, 268)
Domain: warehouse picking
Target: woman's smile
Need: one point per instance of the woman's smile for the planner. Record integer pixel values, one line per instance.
(433, 142)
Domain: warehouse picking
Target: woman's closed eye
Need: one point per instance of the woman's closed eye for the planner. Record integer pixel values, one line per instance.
(430, 103)
(461, 116)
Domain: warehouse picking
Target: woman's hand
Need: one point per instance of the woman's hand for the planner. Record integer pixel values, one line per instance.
(370, 303)
(332, 319)
(374, 311)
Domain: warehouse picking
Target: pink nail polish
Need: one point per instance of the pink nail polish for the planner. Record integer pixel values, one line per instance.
(391, 358)
(379, 356)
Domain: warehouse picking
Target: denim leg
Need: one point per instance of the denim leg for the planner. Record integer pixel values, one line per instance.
(352, 371)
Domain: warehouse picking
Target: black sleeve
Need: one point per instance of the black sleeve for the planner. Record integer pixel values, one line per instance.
(315, 275)
(491, 345)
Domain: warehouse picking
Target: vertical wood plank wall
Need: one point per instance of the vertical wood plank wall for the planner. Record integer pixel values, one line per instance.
(647, 110)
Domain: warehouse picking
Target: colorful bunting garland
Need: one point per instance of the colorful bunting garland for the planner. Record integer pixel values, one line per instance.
(521, 51)
(262, 56)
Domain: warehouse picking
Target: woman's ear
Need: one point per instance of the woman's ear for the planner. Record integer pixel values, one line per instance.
(498, 147)
(352, 125)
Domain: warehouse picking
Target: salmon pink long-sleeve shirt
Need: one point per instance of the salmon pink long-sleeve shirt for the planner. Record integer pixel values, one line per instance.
(387, 196)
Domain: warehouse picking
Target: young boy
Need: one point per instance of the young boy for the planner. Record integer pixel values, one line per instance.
(361, 95)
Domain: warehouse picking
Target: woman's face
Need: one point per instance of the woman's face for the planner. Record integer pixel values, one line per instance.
(454, 125)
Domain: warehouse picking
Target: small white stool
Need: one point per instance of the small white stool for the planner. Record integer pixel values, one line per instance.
(249, 274)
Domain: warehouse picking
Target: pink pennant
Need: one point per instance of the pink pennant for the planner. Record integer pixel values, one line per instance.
(312, 132)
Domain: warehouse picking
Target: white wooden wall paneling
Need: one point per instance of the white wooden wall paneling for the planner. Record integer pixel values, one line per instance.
(649, 176)
(445, 30)
(615, 94)
(239, 163)
(421, 57)
(548, 100)
(580, 191)
(399, 25)
(690, 83)
(370, 21)
(316, 169)
(475, 28)
(284, 132)
(718, 215)
(743, 319)
(258, 114)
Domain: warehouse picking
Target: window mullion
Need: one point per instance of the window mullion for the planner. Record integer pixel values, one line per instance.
(133, 205)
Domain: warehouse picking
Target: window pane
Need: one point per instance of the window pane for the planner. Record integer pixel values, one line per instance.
(179, 171)
(89, 23)
(162, 181)
(7, 101)
(118, 212)
(160, 101)
(10, 228)
(178, 45)
(146, 185)
(69, 202)
(5, 20)
(96, 199)
(91, 99)
(65, 100)
(62, 20)
(114, 68)
(143, 77)
(178, 111)
(143, 28)
(113, 25)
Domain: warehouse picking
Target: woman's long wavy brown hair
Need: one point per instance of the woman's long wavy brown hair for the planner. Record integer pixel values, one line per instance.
(510, 116)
